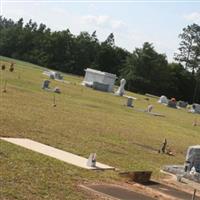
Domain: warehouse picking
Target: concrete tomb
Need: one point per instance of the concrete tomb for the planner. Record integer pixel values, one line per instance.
(193, 158)
(99, 80)
(163, 99)
(120, 91)
(191, 168)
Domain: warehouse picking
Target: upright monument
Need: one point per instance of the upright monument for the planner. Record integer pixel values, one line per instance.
(120, 91)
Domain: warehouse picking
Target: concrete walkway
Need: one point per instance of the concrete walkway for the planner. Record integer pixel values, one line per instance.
(55, 153)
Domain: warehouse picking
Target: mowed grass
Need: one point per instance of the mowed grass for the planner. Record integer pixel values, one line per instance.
(83, 121)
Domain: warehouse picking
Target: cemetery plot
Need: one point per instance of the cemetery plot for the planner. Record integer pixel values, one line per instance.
(117, 192)
(56, 153)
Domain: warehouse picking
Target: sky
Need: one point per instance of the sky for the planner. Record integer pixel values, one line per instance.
(132, 22)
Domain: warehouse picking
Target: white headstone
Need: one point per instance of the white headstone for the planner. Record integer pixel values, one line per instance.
(92, 160)
(121, 90)
(163, 99)
(149, 108)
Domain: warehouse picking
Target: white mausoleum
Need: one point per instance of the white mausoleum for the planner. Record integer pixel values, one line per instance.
(101, 80)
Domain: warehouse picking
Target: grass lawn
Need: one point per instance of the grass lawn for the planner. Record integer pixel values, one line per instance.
(83, 121)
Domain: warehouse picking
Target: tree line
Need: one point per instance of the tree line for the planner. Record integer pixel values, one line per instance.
(145, 70)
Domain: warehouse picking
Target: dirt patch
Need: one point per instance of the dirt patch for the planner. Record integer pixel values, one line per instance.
(170, 190)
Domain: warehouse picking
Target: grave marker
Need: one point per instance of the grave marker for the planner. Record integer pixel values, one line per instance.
(45, 84)
(129, 102)
(120, 91)
(92, 160)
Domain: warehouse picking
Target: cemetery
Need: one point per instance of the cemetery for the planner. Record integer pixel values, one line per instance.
(97, 140)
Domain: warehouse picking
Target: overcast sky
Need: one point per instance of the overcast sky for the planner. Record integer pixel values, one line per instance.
(132, 23)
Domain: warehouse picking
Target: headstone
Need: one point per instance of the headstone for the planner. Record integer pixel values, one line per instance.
(129, 102)
(58, 76)
(120, 91)
(57, 90)
(182, 104)
(45, 84)
(92, 160)
(196, 107)
(149, 108)
(163, 99)
(53, 75)
(172, 103)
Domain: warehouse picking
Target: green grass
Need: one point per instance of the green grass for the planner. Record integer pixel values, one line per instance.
(83, 121)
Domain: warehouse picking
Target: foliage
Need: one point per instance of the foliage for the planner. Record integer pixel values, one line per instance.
(189, 50)
(145, 69)
(142, 68)
(189, 54)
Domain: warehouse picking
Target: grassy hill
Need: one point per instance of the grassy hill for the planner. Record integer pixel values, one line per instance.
(83, 121)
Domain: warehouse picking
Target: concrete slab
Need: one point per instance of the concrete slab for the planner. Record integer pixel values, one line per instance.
(150, 113)
(55, 153)
(134, 98)
(117, 192)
